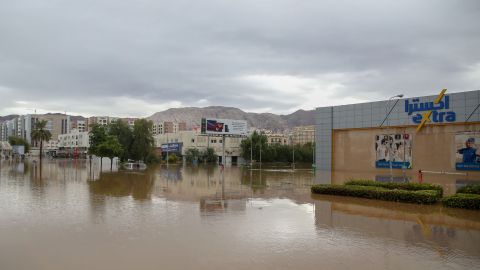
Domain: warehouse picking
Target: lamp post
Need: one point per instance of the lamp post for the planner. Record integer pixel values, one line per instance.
(390, 143)
(167, 149)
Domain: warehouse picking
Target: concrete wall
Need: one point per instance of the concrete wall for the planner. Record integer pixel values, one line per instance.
(433, 149)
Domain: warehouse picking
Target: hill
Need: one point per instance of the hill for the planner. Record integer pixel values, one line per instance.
(274, 122)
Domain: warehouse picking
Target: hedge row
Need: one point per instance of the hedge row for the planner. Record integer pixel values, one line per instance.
(402, 186)
(470, 189)
(379, 193)
(462, 200)
(467, 197)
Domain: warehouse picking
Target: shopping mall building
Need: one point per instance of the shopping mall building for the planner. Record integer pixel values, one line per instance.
(395, 139)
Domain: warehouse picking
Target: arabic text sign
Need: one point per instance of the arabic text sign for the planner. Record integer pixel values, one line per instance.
(438, 113)
(224, 126)
(171, 147)
(467, 156)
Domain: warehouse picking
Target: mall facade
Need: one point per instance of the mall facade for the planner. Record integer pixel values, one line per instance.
(395, 139)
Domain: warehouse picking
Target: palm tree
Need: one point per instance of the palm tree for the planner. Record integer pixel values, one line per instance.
(40, 134)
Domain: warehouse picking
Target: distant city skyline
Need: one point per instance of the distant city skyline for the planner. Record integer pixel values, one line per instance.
(135, 58)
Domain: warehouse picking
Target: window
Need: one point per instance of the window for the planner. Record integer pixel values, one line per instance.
(193, 140)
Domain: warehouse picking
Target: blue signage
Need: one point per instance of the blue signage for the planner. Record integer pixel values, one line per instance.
(172, 147)
(395, 164)
(438, 115)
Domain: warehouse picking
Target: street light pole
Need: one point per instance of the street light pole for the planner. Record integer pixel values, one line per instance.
(167, 149)
(390, 143)
(251, 151)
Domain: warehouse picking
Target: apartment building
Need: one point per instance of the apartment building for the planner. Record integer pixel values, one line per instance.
(129, 121)
(79, 124)
(302, 135)
(277, 138)
(101, 120)
(74, 143)
(168, 127)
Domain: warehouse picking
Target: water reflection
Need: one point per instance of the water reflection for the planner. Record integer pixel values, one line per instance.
(201, 217)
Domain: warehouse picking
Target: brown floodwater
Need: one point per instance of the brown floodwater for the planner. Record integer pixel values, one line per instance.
(65, 215)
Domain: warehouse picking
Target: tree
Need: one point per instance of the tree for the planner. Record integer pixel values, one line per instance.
(209, 155)
(193, 155)
(110, 148)
(124, 134)
(143, 142)
(15, 140)
(256, 141)
(98, 135)
(172, 158)
(40, 134)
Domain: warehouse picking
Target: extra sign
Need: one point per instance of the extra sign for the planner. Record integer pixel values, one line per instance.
(431, 111)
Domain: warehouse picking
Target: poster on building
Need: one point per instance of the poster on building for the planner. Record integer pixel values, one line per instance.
(224, 126)
(467, 156)
(393, 151)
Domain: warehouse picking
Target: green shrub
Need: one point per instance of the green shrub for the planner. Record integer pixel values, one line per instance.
(379, 193)
(172, 158)
(462, 200)
(402, 186)
(470, 189)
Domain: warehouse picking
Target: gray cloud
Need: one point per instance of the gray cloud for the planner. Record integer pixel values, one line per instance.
(136, 57)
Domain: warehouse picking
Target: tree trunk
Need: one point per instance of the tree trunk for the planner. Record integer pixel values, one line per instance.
(101, 160)
(111, 164)
(41, 148)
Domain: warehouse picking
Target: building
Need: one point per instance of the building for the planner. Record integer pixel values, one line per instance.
(5, 150)
(302, 135)
(101, 120)
(277, 138)
(129, 121)
(181, 141)
(389, 140)
(23, 125)
(168, 127)
(75, 143)
(79, 124)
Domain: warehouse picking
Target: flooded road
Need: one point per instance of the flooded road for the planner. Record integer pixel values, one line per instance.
(64, 216)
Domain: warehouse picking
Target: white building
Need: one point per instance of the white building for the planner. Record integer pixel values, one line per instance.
(193, 139)
(5, 150)
(73, 142)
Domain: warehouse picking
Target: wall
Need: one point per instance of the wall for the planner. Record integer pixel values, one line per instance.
(433, 150)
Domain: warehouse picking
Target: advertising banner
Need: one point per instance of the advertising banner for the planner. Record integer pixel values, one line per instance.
(393, 150)
(172, 147)
(224, 126)
(467, 157)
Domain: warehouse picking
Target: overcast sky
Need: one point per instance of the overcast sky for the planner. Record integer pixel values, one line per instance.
(137, 57)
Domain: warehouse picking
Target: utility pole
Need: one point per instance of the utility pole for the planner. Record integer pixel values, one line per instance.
(223, 151)
(168, 148)
(293, 154)
(251, 151)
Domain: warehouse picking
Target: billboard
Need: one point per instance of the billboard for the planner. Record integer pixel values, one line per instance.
(171, 147)
(466, 155)
(224, 126)
(393, 150)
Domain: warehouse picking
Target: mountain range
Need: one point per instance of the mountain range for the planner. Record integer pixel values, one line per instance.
(278, 123)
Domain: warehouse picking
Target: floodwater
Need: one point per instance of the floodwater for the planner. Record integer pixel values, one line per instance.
(66, 216)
